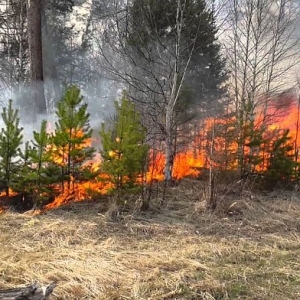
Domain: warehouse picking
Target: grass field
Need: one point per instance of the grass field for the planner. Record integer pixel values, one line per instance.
(177, 251)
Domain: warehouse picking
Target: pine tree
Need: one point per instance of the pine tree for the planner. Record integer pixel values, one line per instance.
(123, 150)
(10, 142)
(44, 171)
(149, 25)
(38, 172)
(70, 143)
(281, 166)
(22, 183)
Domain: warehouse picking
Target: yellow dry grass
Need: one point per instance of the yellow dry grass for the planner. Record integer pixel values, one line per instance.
(178, 252)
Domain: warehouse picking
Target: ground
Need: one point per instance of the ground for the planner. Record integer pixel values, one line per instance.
(248, 249)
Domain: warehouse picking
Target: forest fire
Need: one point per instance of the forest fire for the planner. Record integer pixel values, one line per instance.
(186, 164)
(214, 144)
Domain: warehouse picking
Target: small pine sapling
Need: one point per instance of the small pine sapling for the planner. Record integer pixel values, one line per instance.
(123, 150)
(72, 137)
(281, 163)
(39, 173)
(44, 171)
(10, 141)
(23, 181)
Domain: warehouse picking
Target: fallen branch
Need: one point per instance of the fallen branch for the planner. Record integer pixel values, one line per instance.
(31, 292)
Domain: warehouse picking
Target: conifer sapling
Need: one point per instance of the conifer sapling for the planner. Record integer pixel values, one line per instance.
(10, 142)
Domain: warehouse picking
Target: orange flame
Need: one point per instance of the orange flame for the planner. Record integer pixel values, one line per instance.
(10, 192)
(81, 191)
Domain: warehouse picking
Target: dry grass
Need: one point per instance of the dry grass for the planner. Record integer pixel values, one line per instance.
(179, 252)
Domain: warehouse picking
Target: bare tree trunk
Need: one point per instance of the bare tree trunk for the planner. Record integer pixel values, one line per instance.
(21, 48)
(211, 200)
(296, 139)
(172, 100)
(34, 9)
(169, 150)
(176, 87)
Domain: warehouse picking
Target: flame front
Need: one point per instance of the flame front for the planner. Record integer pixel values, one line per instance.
(82, 191)
(188, 162)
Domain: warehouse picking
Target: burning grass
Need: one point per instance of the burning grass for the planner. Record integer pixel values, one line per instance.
(179, 252)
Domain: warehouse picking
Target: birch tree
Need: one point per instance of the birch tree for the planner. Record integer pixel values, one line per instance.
(262, 48)
(161, 50)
